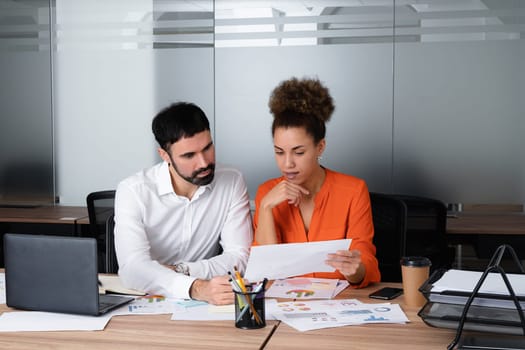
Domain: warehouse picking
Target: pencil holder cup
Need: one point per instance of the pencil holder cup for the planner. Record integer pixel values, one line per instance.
(249, 310)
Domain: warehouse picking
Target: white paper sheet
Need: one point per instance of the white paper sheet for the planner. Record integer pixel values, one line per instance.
(465, 281)
(278, 261)
(2, 288)
(205, 312)
(35, 321)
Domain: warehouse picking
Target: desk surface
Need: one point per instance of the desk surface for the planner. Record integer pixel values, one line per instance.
(159, 332)
(143, 332)
(487, 224)
(411, 336)
(44, 214)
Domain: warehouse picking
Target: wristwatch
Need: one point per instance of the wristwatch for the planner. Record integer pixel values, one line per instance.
(182, 268)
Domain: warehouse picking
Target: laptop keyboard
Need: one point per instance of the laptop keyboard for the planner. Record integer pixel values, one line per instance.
(107, 302)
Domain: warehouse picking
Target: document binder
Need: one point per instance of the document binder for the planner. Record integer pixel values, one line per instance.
(493, 314)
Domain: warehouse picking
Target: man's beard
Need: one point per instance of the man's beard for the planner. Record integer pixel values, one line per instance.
(194, 179)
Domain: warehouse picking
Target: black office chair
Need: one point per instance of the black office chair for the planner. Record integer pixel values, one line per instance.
(111, 257)
(100, 207)
(390, 217)
(426, 230)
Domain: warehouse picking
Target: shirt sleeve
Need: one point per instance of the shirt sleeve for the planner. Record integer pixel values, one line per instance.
(361, 230)
(137, 269)
(261, 192)
(236, 237)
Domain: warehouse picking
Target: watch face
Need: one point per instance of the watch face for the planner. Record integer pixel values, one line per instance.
(182, 268)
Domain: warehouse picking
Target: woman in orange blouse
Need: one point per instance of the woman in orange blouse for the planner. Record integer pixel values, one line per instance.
(309, 202)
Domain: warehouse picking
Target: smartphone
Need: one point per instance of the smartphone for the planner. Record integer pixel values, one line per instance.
(386, 293)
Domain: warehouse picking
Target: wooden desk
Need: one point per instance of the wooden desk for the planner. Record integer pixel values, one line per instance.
(160, 332)
(415, 335)
(143, 332)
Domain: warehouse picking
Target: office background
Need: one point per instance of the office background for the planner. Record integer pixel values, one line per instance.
(429, 95)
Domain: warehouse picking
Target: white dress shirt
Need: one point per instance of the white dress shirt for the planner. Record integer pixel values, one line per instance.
(156, 227)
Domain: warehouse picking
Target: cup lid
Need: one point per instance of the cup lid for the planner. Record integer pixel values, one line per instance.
(415, 261)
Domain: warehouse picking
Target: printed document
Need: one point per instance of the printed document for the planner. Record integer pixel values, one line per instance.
(303, 288)
(317, 314)
(277, 261)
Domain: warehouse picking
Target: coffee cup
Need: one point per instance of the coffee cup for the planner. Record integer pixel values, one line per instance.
(414, 272)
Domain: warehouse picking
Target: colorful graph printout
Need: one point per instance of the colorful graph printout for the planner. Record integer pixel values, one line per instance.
(316, 314)
(150, 304)
(302, 288)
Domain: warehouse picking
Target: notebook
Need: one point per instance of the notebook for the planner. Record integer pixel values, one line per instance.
(55, 274)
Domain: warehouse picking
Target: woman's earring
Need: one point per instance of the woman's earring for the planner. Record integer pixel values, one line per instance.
(319, 158)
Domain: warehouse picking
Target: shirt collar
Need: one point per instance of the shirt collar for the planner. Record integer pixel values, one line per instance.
(165, 186)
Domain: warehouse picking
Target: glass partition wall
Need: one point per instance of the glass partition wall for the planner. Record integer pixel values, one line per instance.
(26, 124)
(348, 47)
(459, 115)
(429, 94)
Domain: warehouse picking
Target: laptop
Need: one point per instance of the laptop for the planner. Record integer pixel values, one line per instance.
(55, 274)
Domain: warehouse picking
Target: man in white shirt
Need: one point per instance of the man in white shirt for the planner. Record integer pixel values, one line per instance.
(182, 224)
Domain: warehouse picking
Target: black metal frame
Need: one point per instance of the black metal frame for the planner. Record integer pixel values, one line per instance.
(494, 265)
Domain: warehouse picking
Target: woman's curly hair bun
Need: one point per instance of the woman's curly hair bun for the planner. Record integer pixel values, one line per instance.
(305, 96)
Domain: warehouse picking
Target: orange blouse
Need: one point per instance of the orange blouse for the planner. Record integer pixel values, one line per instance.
(342, 210)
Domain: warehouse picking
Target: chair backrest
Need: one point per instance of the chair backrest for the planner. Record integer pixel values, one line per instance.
(111, 257)
(390, 217)
(426, 230)
(100, 205)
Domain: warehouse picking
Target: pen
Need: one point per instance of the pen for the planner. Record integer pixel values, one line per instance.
(260, 286)
(235, 284)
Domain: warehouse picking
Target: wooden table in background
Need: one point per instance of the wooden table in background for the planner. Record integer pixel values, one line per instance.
(486, 231)
(486, 224)
(43, 214)
(53, 220)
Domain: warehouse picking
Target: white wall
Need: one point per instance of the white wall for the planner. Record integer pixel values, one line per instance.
(109, 86)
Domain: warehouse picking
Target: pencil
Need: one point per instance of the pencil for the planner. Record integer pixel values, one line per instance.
(239, 279)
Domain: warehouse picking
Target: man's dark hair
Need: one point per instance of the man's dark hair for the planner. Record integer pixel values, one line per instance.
(179, 120)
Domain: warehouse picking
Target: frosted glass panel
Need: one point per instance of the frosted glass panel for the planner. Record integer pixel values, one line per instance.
(349, 48)
(432, 105)
(459, 93)
(26, 134)
(118, 64)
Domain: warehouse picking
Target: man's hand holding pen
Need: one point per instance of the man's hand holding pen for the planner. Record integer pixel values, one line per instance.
(217, 291)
